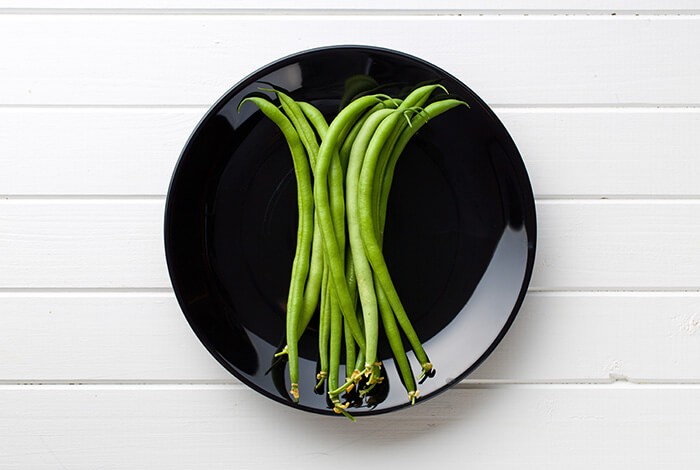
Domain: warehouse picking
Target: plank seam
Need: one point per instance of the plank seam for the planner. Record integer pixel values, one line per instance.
(509, 107)
(348, 12)
(168, 292)
(544, 199)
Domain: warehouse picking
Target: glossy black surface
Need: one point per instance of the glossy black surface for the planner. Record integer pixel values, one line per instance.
(460, 236)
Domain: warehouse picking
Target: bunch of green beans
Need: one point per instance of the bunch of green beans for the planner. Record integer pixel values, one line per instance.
(344, 172)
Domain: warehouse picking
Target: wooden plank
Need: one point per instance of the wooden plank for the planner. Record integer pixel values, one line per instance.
(617, 245)
(557, 337)
(103, 244)
(164, 6)
(608, 152)
(181, 59)
(582, 244)
(92, 151)
(580, 427)
(568, 152)
(100, 337)
(572, 337)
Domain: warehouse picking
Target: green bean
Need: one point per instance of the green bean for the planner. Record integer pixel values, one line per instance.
(313, 282)
(352, 135)
(394, 337)
(412, 103)
(419, 96)
(324, 325)
(300, 265)
(431, 111)
(305, 111)
(365, 283)
(337, 324)
(359, 364)
(353, 168)
(299, 120)
(350, 275)
(298, 115)
(315, 117)
(382, 162)
(335, 341)
(329, 149)
(351, 278)
(369, 239)
(344, 155)
(350, 350)
(337, 200)
(355, 85)
(357, 373)
(319, 122)
(387, 315)
(336, 174)
(337, 206)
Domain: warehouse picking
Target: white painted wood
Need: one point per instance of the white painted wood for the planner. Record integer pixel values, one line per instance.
(180, 59)
(164, 6)
(567, 336)
(633, 244)
(579, 427)
(580, 152)
(82, 244)
(608, 152)
(97, 99)
(557, 337)
(617, 245)
(89, 151)
(100, 337)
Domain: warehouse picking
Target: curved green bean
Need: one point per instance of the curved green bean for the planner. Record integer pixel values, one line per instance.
(431, 111)
(365, 283)
(394, 337)
(324, 328)
(300, 266)
(369, 239)
(329, 149)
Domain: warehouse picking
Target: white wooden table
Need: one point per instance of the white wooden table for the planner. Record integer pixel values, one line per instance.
(99, 369)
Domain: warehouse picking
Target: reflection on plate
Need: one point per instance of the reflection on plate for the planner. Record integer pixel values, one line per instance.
(459, 241)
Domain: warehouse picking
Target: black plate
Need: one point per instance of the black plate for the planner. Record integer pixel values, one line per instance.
(460, 231)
